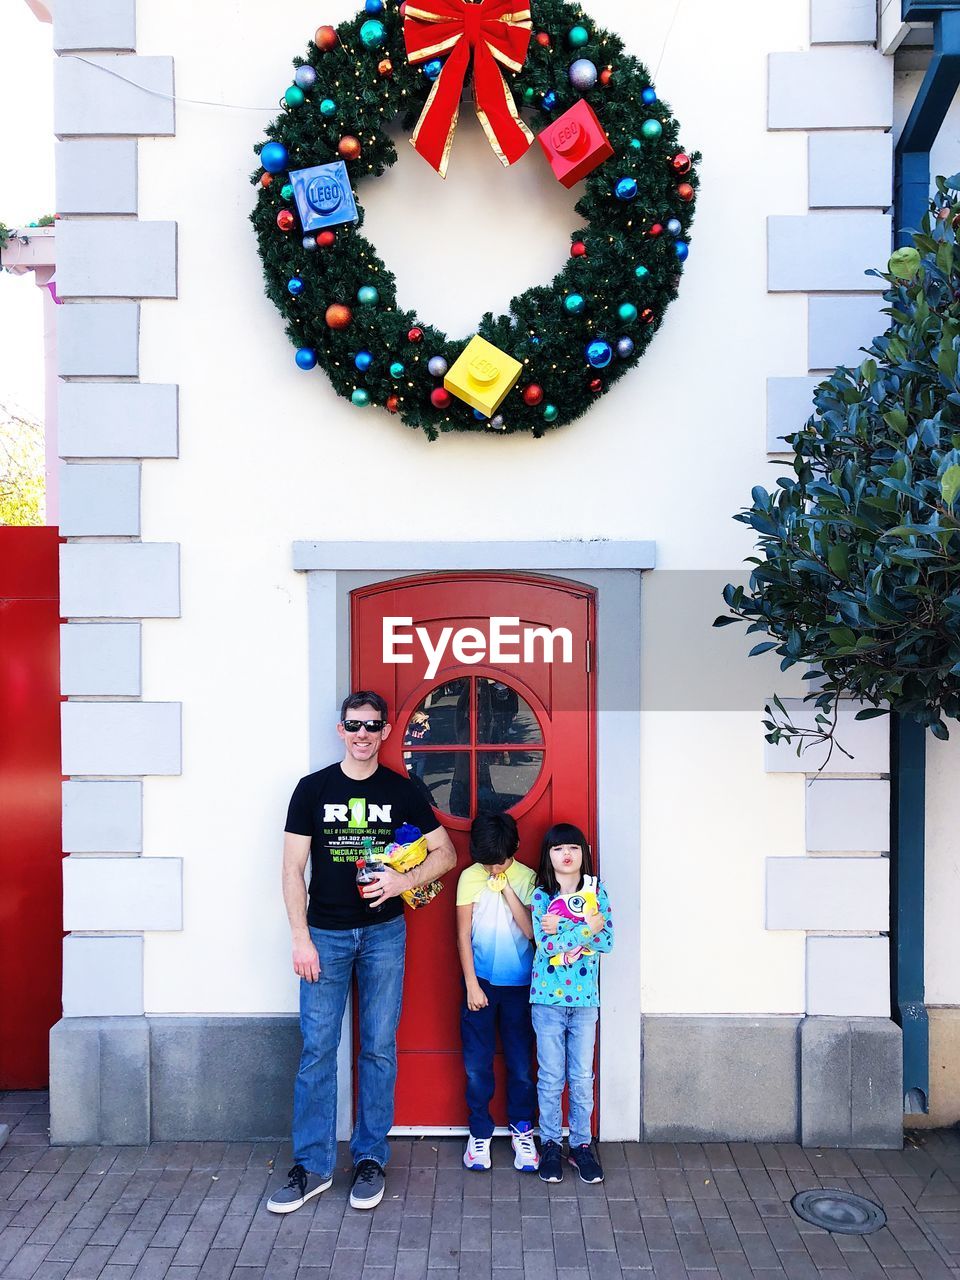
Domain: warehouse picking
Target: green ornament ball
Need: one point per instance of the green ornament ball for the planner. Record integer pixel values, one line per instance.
(641, 272)
(397, 370)
(574, 303)
(360, 398)
(904, 263)
(627, 312)
(368, 296)
(652, 130)
(328, 107)
(294, 96)
(529, 95)
(286, 191)
(373, 34)
(636, 144)
(577, 37)
(550, 413)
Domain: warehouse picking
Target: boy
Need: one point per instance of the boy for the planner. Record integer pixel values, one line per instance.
(494, 938)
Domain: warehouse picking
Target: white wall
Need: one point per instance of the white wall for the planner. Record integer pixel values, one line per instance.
(268, 454)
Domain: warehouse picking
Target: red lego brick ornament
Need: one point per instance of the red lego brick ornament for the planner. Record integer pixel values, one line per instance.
(575, 144)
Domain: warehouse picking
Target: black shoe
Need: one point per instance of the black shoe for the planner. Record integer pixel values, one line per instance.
(551, 1166)
(303, 1186)
(367, 1189)
(585, 1163)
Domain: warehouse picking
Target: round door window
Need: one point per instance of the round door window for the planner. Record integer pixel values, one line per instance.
(474, 745)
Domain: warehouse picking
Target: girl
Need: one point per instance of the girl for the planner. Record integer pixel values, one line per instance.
(571, 925)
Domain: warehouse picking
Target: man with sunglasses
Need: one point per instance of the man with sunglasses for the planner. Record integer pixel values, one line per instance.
(338, 934)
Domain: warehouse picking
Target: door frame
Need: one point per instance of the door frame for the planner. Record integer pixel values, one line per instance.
(335, 569)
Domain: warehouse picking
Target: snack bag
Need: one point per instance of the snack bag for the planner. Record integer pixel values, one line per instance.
(409, 850)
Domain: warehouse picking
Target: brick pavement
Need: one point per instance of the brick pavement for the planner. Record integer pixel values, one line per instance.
(716, 1211)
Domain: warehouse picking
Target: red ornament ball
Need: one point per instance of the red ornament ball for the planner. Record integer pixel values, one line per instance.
(656, 230)
(286, 220)
(349, 147)
(685, 191)
(325, 39)
(543, 39)
(681, 163)
(533, 394)
(646, 315)
(415, 335)
(385, 68)
(393, 404)
(266, 179)
(338, 316)
(596, 385)
(578, 249)
(606, 75)
(440, 398)
(326, 238)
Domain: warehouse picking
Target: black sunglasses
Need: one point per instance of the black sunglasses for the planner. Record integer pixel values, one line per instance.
(371, 726)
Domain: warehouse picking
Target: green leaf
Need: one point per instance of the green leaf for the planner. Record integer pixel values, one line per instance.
(838, 558)
(950, 484)
(904, 263)
(763, 648)
(871, 713)
(842, 637)
(896, 420)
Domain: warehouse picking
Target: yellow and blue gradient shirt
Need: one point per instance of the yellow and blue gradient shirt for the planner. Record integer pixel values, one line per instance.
(501, 954)
(566, 964)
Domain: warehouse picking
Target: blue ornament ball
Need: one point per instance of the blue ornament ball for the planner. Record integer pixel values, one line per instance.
(294, 96)
(599, 354)
(368, 295)
(373, 34)
(432, 68)
(307, 358)
(274, 157)
(583, 74)
(625, 348)
(373, 7)
(305, 77)
(328, 107)
(674, 226)
(627, 312)
(578, 36)
(648, 97)
(574, 303)
(549, 101)
(363, 360)
(627, 189)
(360, 398)
(641, 272)
(397, 370)
(479, 415)
(295, 285)
(683, 250)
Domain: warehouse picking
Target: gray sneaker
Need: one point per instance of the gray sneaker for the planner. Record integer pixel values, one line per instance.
(367, 1189)
(303, 1186)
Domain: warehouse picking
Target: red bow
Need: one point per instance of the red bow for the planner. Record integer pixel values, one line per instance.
(492, 31)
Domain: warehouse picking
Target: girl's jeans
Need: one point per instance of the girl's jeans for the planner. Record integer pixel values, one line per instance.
(565, 1044)
(376, 955)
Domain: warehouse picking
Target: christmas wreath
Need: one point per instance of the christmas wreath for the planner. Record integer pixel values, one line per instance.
(547, 71)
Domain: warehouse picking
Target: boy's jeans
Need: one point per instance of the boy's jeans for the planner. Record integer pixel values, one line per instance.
(511, 1005)
(376, 955)
(565, 1044)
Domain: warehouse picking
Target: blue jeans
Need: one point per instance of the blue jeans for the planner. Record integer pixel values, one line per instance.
(375, 954)
(565, 1044)
(478, 1030)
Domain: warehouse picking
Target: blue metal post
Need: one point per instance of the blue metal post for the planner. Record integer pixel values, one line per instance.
(908, 764)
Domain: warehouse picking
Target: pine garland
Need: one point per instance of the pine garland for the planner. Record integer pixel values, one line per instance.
(539, 332)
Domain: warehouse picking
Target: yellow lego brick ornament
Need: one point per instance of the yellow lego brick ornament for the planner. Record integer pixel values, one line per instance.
(483, 376)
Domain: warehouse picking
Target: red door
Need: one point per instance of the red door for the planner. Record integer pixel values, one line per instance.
(481, 732)
(31, 910)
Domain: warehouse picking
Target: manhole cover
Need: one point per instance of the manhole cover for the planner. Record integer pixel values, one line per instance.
(839, 1211)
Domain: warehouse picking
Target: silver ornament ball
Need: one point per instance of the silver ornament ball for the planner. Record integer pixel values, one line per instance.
(674, 226)
(437, 366)
(583, 74)
(305, 77)
(625, 348)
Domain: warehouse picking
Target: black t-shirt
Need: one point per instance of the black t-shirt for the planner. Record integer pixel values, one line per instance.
(337, 812)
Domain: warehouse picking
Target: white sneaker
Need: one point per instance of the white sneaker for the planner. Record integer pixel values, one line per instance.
(525, 1157)
(477, 1154)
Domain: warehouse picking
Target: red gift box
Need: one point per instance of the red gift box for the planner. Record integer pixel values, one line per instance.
(575, 144)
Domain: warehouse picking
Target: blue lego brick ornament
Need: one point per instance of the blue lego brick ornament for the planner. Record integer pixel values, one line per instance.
(324, 196)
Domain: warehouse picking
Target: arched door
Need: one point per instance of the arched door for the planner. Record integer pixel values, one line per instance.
(488, 678)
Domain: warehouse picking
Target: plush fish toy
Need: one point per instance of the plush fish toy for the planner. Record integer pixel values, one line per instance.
(575, 907)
